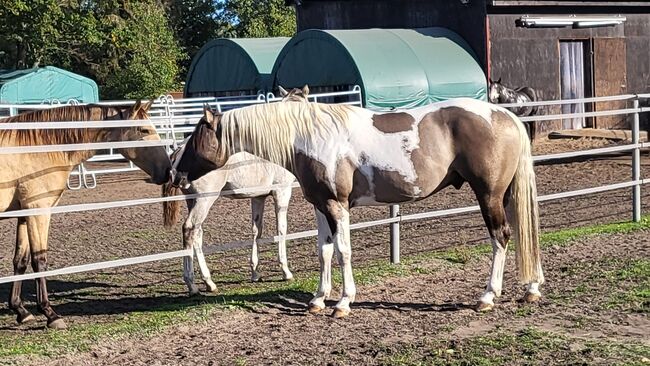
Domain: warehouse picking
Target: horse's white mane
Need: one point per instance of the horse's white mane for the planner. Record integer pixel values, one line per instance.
(269, 130)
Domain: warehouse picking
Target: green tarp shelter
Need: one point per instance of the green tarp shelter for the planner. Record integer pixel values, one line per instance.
(395, 68)
(233, 65)
(33, 86)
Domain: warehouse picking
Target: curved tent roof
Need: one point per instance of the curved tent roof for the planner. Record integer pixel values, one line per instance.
(396, 68)
(35, 85)
(224, 65)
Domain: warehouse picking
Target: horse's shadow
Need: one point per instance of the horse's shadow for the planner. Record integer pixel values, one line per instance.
(71, 302)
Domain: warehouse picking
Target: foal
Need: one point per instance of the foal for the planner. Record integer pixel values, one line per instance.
(243, 170)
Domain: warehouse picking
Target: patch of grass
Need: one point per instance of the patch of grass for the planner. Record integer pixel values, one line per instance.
(250, 296)
(563, 237)
(635, 277)
(522, 347)
(525, 310)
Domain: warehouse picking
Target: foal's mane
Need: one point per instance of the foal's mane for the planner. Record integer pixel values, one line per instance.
(270, 129)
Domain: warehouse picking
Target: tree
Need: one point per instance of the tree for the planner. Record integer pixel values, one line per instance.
(141, 52)
(29, 30)
(195, 23)
(125, 45)
(258, 18)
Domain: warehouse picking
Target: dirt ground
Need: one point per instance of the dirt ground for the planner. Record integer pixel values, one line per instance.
(398, 313)
(418, 313)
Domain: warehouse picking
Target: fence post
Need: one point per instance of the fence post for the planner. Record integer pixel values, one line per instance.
(636, 165)
(394, 235)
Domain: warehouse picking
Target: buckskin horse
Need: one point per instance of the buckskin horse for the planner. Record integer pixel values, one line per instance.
(345, 156)
(38, 180)
(243, 170)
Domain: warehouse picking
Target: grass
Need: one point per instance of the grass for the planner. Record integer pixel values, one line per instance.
(634, 278)
(522, 347)
(249, 296)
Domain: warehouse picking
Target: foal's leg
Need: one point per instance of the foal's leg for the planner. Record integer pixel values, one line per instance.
(38, 228)
(257, 220)
(325, 252)
(344, 253)
(282, 198)
(188, 262)
(495, 220)
(21, 258)
(193, 238)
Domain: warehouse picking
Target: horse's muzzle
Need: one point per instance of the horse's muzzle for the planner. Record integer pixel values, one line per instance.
(178, 179)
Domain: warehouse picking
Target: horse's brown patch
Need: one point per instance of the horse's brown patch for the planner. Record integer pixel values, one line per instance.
(393, 122)
(391, 187)
(351, 183)
(312, 176)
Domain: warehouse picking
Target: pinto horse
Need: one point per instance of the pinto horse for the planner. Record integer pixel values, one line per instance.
(345, 156)
(38, 180)
(243, 170)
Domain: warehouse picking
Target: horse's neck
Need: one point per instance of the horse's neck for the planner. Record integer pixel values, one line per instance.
(90, 136)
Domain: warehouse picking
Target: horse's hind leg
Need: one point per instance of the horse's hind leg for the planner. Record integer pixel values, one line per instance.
(282, 198)
(21, 258)
(492, 208)
(38, 228)
(257, 226)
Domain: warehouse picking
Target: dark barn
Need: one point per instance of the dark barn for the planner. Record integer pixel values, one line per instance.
(563, 49)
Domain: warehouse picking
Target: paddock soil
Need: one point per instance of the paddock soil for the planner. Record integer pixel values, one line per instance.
(407, 318)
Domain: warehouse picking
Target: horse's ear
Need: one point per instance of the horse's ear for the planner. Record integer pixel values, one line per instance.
(135, 110)
(208, 115)
(147, 106)
(499, 81)
(283, 92)
(305, 90)
(490, 80)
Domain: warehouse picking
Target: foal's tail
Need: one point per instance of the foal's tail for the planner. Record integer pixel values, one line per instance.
(525, 214)
(171, 209)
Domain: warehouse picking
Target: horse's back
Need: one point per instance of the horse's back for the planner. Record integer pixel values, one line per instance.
(244, 170)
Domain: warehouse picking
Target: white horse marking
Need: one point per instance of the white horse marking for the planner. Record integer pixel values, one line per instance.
(495, 282)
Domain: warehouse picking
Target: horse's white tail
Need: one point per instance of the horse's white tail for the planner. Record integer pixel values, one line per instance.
(525, 215)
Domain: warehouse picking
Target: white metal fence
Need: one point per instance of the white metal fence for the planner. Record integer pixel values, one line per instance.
(173, 119)
(394, 219)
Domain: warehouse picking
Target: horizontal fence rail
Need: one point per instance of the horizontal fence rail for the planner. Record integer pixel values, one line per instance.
(172, 118)
(394, 219)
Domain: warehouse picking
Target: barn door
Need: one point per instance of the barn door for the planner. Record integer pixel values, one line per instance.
(610, 78)
(572, 80)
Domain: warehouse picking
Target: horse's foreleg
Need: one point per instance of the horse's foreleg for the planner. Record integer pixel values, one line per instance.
(325, 252)
(193, 238)
(21, 259)
(282, 198)
(257, 226)
(38, 228)
(344, 253)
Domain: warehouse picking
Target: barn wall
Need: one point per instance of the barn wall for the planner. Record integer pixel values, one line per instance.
(466, 20)
(530, 57)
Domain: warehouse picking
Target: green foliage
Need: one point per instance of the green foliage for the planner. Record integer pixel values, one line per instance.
(258, 18)
(195, 23)
(133, 49)
(125, 45)
(143, 50)
(30, 30)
